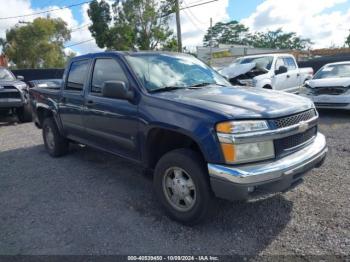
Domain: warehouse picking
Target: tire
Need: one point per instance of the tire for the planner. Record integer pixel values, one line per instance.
(24, 114)
(56, 145)
(267, 87)
(190, 164)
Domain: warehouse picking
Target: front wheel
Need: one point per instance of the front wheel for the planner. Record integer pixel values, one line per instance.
(24, 114)
(56, 145)
(181, 183)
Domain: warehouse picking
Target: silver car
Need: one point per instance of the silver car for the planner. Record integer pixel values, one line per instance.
(330, 87)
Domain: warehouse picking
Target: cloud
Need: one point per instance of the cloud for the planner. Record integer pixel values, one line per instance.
(12, 7)
(310, 19)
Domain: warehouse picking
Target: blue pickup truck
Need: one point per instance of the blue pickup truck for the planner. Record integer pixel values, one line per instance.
(199, 136)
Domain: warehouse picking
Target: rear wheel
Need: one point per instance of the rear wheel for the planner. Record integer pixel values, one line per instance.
(181, 183)
(24, 114)
(56, 145)
(267, 87)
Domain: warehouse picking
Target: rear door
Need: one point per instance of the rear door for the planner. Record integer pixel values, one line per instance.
(111, 124)
(281, 81)
(71, 102)
(293, 72)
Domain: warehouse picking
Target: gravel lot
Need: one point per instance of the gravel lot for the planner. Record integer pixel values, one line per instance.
(90, 202)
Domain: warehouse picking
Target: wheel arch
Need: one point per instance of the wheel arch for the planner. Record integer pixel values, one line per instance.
(161, 140)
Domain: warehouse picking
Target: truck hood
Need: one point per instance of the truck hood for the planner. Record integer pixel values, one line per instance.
(240, 103)
(329, 82)
(16, 83)
(235, 69)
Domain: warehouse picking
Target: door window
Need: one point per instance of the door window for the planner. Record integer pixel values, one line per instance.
(290, 63)
(77, 75)
(106, 69)
(279, 63)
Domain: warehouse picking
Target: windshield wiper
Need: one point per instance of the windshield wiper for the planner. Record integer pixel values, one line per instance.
(204, 84)
(166, 89)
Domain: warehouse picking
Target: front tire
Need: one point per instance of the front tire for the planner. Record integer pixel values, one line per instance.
(24, 114)
(181, 183)
(56, 145)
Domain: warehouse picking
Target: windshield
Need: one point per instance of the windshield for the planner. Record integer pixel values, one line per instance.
(261, 62)
(333, 71)
(159, 71)
(6, 75)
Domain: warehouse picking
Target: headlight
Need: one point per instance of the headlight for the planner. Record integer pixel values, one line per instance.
(243, 153)
(238, 127)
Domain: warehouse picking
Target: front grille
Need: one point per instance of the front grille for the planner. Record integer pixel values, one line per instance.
(10, 87)
(15, 94)
(294, 119)
(285, 145)
(336, 90)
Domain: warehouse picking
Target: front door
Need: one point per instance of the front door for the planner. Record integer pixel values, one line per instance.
(110, 123)
(71, 102)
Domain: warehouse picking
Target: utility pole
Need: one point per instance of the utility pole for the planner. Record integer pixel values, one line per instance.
(178, 26)
(211, 40)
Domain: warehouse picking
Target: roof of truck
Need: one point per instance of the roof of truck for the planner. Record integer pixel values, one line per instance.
(125, 53)
(262, 55)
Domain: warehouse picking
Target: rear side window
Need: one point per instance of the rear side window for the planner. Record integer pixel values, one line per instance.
(77, 75)
(289, 62)
(106, 69)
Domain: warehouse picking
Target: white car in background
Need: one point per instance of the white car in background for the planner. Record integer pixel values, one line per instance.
(270, 71)
(330, 87)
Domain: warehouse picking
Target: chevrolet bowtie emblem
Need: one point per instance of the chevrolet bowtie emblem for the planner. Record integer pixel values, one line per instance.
(303, 126)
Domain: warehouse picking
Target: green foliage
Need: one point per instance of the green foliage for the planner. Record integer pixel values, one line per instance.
(171, 45)
(132, 24)
(235, 33)
(226, 33)
(38, 44)
(279, 40)
(347, 41)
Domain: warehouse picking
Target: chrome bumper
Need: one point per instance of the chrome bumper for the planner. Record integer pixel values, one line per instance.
(298, 162)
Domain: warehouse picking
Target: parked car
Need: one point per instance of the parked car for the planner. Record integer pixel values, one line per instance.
(178, 118)
(330, 87)
(270, 71)
(46, 83)
(14, 95)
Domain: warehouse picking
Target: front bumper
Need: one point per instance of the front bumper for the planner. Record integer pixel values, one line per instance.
(341, 101)
(241, 181)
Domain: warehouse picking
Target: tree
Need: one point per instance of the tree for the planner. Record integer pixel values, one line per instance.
(38, 44)
(279, 40)
(132, 24)
(347, 41)
(226, 33)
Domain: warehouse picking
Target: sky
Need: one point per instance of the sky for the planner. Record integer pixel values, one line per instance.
(325, 22)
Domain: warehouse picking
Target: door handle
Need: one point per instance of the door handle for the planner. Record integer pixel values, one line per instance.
(90, 103)
(298, 74)
(288, 76)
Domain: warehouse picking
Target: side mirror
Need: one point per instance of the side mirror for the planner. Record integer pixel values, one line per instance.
(281, 70)
(116, 89)
(21, 78)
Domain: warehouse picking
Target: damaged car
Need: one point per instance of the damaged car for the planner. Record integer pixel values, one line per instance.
(14, 96)
(330, 87)
(270, 71)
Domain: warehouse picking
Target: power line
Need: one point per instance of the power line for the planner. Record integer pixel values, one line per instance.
(204, 3)
(79, 43)
(43, 12)
(79, 27)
